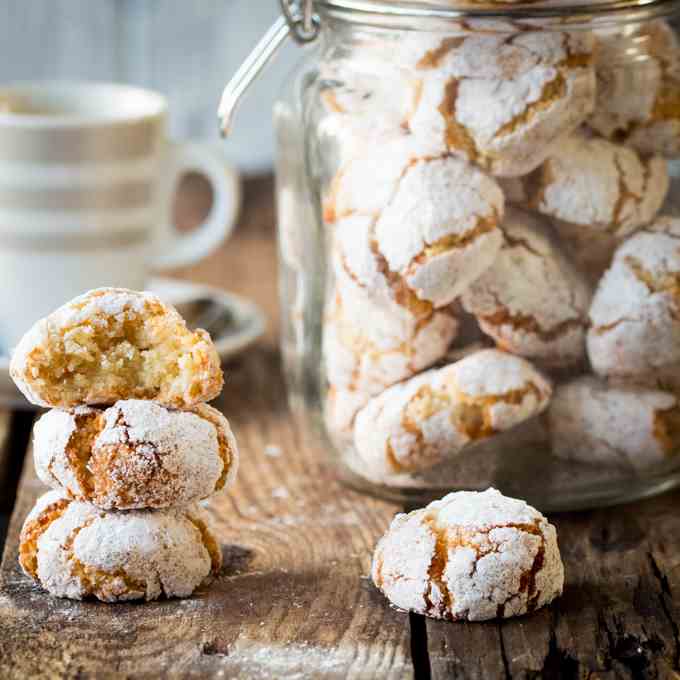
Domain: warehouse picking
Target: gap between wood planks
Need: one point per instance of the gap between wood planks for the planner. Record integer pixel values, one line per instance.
(15, 433)
(618, 617)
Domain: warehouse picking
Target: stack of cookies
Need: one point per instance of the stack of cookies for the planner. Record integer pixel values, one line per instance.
(505, 188)
(129, 448)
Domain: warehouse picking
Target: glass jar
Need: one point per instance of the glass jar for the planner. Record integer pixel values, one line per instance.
(480, 248)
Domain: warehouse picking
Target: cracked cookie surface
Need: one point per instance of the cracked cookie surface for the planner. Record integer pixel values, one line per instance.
(77, 551)
(367, 180)
(112, 344)
(418, 423)
(625, 426)
(135, 454)
(434, 236)
(635, 314)
(598, 185)
(501, 100)
(532, 301)
(470, 556)
(367, 347)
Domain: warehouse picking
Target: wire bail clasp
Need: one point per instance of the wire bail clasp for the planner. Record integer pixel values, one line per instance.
(303, 22)
(300, 22)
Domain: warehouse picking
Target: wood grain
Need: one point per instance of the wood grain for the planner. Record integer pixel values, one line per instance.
(293, 599)
(619, 616)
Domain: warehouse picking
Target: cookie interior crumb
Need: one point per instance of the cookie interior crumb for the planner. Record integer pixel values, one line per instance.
(224, 447)
(80, 445)
(121, 358)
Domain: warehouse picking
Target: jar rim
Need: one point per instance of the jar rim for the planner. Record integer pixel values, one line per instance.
(573, 12)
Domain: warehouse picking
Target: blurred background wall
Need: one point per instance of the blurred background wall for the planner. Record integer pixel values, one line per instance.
(185, 49)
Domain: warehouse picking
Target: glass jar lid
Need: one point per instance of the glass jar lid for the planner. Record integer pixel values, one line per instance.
(302, 20)
(573, 10)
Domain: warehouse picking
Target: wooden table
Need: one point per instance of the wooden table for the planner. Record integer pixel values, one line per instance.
(294, 599)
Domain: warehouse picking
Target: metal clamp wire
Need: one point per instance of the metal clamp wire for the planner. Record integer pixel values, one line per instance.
(303, 22)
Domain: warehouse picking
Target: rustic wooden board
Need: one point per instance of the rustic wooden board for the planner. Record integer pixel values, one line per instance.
(617, 619)
(293, 598)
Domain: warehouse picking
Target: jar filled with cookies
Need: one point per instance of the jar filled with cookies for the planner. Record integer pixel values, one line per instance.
(479, 228)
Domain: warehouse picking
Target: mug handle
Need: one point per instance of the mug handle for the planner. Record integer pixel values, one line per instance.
(178, 249)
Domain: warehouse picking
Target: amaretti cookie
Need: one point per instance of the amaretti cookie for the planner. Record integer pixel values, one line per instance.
(635, 314)
(365, 182)
(437, 234)
(112, 344)
(598, 185)
(532, 301)
(77, 551)
(366, 349)
(625, 426)
(135, 454)
(470, 557)
(418, 423)
(501, 101)
(638, 93)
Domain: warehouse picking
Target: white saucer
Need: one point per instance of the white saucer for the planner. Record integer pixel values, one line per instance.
(246, 325)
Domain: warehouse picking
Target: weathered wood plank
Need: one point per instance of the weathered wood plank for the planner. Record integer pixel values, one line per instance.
(293, 598)
(464, 650)
(619, 616)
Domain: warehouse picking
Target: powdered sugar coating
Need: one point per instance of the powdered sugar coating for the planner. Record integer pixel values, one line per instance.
(366, 182)
(84, 552)
(434, 416)
(434, 236)
(599, 185)
(367, 347)
(365, 281)
(70, 346)
(439, 231)
(470, 556)
(366, 85)
(501, 101)
(532, 301)
(504, 54)
(625, 426)
(135, 454)
(635, 326)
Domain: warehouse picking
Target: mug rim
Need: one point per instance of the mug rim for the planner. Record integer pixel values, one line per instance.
(152, 104)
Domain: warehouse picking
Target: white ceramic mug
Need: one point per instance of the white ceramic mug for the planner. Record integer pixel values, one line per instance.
(87, 180)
